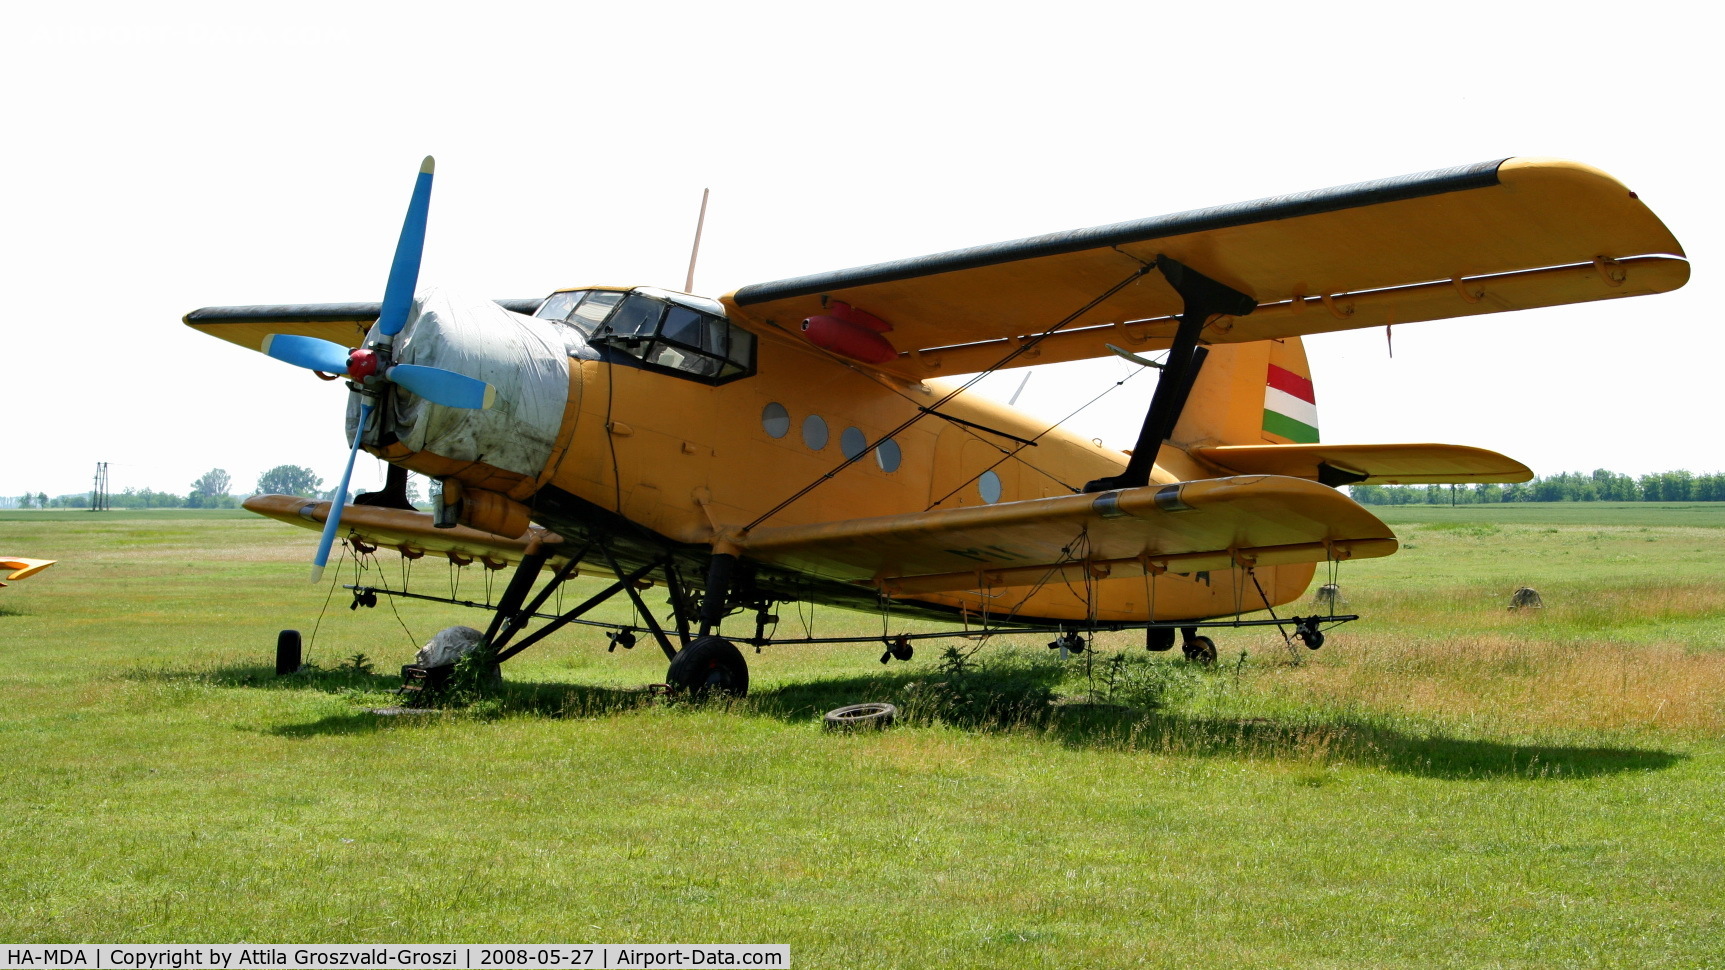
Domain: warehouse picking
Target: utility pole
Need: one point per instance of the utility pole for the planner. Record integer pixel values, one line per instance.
(99, 488)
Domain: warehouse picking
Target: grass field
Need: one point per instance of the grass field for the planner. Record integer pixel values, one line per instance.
(1446, 783)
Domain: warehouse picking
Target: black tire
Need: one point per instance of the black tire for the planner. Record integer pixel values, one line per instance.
(1159, 638)
(1201, 651)
(860, 717)
(288, 655)
(710, 664)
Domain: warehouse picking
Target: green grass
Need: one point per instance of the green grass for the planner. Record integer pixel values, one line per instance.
(1446, 783)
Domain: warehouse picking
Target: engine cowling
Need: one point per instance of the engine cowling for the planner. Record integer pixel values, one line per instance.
(501, 449)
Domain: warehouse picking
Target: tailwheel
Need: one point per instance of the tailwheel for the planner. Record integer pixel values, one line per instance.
(709, 664)
(1200, 650)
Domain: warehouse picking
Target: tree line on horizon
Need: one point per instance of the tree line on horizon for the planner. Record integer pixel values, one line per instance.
(1600, 486)
(210, 491)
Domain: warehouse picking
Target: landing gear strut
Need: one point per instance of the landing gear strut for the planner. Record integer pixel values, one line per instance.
(711, 663)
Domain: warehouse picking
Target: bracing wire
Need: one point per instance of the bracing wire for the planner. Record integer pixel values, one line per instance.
(1023, 348)
(334, 580)
(1005, 455)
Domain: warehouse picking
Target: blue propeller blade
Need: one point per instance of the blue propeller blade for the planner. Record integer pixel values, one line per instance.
(444, 387)
(334, 520)
(312, 353)
(404, 271)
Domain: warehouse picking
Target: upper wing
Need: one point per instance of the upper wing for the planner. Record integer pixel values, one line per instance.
(1520, 233)
(1197, 525)
(342, 323)
(1370, 464)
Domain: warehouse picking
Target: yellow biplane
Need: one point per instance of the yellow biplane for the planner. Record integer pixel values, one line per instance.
(807, 439)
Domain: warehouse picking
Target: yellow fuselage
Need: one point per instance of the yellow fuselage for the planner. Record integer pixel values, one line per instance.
(696, 464)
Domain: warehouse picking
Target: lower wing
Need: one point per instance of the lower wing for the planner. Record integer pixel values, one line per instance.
(410, 533)
(1245, 520)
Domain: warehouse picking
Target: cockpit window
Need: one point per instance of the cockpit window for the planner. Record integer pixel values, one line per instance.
(678, 334)
(585, 309)
(637, 317)
(686, 327)
(593, 310)
(558, 305)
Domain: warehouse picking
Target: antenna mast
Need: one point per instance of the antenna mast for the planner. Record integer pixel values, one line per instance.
(689, 283)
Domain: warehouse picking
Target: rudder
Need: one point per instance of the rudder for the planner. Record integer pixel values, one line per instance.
(1251, 394)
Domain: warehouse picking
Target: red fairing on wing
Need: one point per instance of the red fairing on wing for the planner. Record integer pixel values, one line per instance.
(854, 340)
(862, 318)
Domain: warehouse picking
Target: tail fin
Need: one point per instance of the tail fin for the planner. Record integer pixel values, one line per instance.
(1252, 411)
(1251, 394)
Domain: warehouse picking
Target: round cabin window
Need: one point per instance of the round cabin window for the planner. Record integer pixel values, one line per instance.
(852, 442)
(814, 432)
(888, 456)
(775, 420)
(989, 485)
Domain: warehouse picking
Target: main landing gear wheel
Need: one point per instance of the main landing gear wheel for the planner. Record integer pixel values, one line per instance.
(1200, 650)
(710, 664)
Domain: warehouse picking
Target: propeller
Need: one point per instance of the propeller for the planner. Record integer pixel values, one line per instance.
(435, 384)
(333, 520)
(373, 364)
(312, 353)
(404, 269)
(444, 387)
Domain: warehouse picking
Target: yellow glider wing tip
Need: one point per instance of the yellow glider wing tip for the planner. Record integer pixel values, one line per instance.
(21, 568)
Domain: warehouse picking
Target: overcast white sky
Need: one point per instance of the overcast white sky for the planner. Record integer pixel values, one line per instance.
(162, 157)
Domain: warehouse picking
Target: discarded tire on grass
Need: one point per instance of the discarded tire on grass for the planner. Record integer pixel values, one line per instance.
(860, 717)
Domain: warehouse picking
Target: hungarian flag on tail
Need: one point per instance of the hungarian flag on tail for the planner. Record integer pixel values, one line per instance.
(1290, 406)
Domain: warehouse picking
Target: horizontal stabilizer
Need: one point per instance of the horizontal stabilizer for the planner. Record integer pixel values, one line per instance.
(1418, 464)
(1190, 526)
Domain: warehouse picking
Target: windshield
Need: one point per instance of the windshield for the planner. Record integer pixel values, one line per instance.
(684, 335)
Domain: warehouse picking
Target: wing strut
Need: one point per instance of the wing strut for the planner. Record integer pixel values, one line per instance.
(1203, 298)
